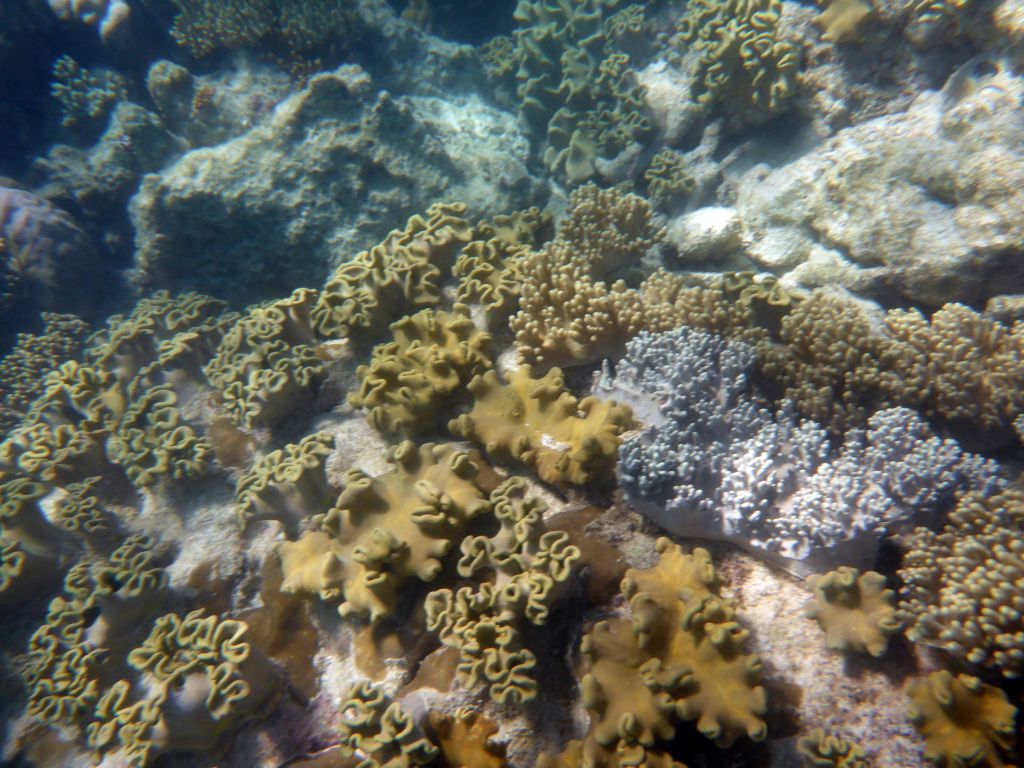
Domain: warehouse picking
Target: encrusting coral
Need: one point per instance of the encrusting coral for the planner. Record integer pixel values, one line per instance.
(855, 610)
(483, 621)
(963, 721)
(823, 750)
(535, 421)
(383, 532)
(288, 484)
(965, 583)
(434, 355)
(398, 275)
(677, 658)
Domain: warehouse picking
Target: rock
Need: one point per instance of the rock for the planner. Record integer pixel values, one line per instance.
(932, 196)
(327, 174)
(705, 235)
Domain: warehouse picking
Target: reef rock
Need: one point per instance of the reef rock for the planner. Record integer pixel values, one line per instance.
(324, 177)
(927, 202)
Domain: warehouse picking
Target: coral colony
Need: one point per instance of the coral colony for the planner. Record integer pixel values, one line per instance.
(541, 384)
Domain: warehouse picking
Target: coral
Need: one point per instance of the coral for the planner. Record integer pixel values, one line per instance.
(535, 421)
(961, 366)
(678, 657)
(266, 365)
(466, 739)
(578, 94)
(385, 531)
(854, 609)
(29, 537)
(483, 621)
(499, 57)
(667, 176)
(714, 462)
(203, 26)
(965, 583)
(743, 63)
(379, 732)
(288, 484)
(433, 356)
(841, 19)
(24, 368)
(822, 750)
(50, 256)
(830, 364)
(82, 512)
(400, 274)
(108, 15)
(85, 96)
(963, 721)
(489, 275)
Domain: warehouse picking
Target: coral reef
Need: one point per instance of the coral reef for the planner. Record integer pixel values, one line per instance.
(85, 96)
(963, 721)
(433, 356)
(964, 582)
(482, 621)
(822, 750)
(855, 610)
(535, 421)
(379, 732)
(108, 16)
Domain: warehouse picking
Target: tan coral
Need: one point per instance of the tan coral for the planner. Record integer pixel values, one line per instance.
(822, 750)
(385, 531)
(399, 275)
(841, 20)
(434, 354)
(963, 721)
(855, 610)
(535, 421)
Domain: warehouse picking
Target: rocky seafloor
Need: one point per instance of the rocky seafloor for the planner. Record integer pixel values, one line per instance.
(546, 383)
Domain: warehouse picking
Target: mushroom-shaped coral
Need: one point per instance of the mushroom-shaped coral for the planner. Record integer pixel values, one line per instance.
(483, 621)
(288, 484)
(822, 750)
(386, 530)
(965, 584)
(433, 355)
(535, 421)
(854, 609)
(398, 275)
(379, 732)
(963, 721)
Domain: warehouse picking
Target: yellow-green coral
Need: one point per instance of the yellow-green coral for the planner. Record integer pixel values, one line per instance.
(965, 584)
(964, 722)
(667, 176)
(822, 750)
(535, 421)
(488, 272)
(433, 356)
(266, 365)
(288, 484)
(743, 62)
(397, 276)
(483, 621)
(385, 531)
(679, 657)
(841, 19)
(854, 609)
(378, 732)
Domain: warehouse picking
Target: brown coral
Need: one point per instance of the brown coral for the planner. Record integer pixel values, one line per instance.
(854, 609)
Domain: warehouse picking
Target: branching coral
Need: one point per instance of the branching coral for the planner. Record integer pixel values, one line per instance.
(963, 721)
(536, 421)
(433, 356)
(288, 484)
(85, 96)
(965, 584)
(714, 462)
(679, 657)
(743, 62)
(822, 750)
(203, 26)
(398, 275)
(385, 531)
(854, 609)
(266, 365)
(483, 621)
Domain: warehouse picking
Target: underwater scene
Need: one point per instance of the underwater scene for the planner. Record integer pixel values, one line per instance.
(511, 383)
